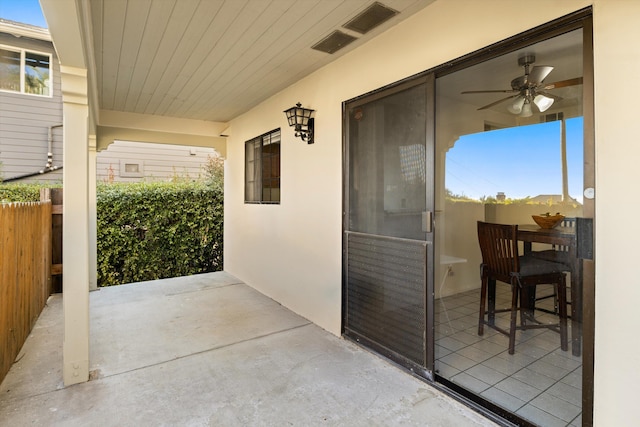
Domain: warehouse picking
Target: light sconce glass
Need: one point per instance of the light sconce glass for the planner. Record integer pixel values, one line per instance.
(522, 105)
(526, 109)
(516, 106)
(543, 102)
(302, 122)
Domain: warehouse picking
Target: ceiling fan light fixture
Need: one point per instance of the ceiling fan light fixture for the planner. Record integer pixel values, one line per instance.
(516, 106)
(526, 110)
(543, 102)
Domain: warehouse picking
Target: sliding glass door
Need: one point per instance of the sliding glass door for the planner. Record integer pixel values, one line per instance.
(499, 136)
(510, 144)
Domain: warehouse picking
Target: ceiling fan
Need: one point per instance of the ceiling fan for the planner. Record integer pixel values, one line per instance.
(529, 89)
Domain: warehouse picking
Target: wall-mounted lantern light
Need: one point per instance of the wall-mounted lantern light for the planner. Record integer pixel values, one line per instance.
(300, 118)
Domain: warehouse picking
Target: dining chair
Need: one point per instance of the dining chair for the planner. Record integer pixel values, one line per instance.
(502, 262)
(559, 254)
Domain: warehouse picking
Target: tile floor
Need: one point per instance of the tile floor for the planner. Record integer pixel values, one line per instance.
(540, 382)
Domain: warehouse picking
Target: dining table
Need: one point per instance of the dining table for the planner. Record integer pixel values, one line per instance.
(559, 236)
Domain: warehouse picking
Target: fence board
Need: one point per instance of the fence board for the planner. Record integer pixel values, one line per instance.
(25, 265)
(55, 195)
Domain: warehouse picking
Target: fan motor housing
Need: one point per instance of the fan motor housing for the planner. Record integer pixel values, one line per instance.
(518, 83)
(526, 59)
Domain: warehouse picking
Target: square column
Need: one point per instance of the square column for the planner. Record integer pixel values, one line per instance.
(75, 282)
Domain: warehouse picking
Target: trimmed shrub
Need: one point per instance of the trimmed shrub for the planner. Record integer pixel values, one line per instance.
(23, 192)
(149, 231)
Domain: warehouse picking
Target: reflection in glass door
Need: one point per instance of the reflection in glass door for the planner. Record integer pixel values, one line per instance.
(502, 158)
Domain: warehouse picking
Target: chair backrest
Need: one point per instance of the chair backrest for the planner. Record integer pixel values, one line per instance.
(566, 222)
(499, 247)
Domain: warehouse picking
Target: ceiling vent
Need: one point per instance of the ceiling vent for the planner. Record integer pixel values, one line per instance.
(370, 18)
(333, 42)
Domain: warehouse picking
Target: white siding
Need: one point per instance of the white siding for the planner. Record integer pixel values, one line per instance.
(25, 121)
(160, 162)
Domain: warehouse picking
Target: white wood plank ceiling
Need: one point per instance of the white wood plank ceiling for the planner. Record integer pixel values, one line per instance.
(215, 59)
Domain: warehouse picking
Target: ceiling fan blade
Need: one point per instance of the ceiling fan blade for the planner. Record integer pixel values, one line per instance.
(488, 91)
(550, 95)
(539, 73)
(498, 102)
(563, 83)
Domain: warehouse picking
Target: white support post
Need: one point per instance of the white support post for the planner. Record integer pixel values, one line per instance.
(93, 226)
(75, 240)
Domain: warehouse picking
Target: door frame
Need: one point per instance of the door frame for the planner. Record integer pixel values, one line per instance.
(579, 19)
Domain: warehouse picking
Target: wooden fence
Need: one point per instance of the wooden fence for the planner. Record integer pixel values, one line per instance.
(25, 273)
(55, 195)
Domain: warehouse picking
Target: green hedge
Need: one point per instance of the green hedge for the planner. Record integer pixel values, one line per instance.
(23, 192)
(150, 231)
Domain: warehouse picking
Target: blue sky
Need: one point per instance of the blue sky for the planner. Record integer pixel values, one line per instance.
(520, 161)
(25, 11)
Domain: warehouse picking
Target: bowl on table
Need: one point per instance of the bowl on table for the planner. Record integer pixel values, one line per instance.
(548, 221)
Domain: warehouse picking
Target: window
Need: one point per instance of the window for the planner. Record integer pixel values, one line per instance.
(131, 168)
(262, 169)
(25, 71)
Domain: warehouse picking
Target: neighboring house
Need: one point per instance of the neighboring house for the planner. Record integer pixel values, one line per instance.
(31, 122)
(194, 74)
(127, 161)
(30, 105)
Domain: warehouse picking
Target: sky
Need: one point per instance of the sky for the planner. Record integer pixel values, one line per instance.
(519, 161)
(25, 11)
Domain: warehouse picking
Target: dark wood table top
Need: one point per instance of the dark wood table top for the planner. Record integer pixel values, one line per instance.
(558, 235)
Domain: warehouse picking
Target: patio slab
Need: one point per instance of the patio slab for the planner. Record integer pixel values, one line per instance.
(209, 350)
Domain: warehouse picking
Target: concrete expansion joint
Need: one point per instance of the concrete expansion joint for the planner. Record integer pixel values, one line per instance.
(220, 347)
(208, 288)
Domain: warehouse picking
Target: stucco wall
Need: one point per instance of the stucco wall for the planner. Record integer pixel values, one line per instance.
(292, 252)
(297, 245)
(617, 355)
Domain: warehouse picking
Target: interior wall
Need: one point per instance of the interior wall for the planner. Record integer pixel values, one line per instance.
(292, 251)
(456, 222)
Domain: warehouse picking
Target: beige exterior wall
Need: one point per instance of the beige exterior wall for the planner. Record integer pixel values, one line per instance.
(292, 251)
(617, 355)
(297, 245)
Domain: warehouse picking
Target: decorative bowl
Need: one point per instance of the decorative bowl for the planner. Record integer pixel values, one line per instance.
(548, 221)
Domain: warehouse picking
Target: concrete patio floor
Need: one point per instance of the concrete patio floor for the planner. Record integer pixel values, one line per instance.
(208, 350)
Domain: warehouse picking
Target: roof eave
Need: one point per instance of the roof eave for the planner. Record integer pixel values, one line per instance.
(24, 30)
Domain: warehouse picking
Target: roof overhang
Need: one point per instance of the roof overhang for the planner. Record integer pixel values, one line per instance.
(18, 29)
